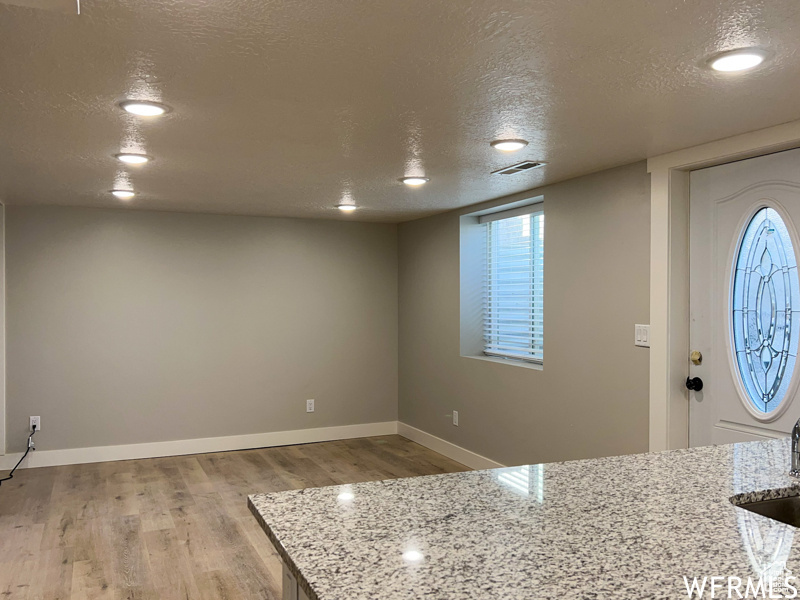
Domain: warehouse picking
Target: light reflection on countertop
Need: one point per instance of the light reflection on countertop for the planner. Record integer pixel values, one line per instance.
(346, 494)
(527, 480)
(768, 543)
(627, 527)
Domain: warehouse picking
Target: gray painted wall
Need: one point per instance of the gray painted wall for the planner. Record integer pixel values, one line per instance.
(128, 327)
(591, 398)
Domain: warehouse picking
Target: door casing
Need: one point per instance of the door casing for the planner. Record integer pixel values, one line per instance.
(669, 270)
(2, 330)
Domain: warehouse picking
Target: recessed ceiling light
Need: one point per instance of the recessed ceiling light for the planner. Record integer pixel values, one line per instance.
(737, 60)
(123, 194)
(346, 207)
(144, 108)
(132, 159)
(508, 145)
(414, 181)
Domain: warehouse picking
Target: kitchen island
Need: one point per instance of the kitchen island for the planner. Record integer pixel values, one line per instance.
(620, 527)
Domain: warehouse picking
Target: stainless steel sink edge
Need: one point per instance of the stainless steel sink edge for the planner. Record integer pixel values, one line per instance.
(762, 495)
(782, 505)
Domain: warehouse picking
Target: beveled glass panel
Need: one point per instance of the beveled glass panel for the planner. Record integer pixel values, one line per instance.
(766, 301)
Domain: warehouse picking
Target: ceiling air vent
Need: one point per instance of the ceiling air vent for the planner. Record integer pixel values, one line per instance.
(518, 168)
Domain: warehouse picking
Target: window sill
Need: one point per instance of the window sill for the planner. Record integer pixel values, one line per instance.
(506, 361)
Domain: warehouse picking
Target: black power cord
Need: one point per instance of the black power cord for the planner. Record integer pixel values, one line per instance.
(30, 447)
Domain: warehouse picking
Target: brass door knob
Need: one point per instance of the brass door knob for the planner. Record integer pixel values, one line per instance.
(696, 357)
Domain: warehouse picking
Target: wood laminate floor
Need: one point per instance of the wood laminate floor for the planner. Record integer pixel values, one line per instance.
(171, 528)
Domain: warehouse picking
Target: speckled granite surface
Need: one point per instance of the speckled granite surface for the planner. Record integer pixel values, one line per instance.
(622, 527)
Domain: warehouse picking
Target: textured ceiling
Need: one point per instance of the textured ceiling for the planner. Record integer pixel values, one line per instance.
(283, 107)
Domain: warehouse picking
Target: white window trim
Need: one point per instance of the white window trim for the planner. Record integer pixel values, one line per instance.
(471, 252)
(528, 209)
(513, 212)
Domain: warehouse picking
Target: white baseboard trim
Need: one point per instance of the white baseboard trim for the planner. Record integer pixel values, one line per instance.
(450, 450)
(73, 456)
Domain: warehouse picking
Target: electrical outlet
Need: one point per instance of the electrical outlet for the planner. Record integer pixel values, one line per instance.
(35, 421)
(310, 405)
(455, 418)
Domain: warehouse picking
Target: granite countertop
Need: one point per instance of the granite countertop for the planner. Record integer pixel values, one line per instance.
(621, 527)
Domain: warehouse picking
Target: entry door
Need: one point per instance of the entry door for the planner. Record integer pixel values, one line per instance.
(744, 299)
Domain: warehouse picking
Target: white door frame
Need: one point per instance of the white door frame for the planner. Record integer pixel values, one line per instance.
(2, 329)
(669, 270)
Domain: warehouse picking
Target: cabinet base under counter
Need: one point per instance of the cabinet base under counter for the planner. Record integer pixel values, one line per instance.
(291, 589)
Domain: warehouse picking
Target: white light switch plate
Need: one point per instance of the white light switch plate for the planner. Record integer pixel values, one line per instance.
(642, 335)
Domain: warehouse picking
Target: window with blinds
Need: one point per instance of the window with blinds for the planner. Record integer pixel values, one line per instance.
(513, 292)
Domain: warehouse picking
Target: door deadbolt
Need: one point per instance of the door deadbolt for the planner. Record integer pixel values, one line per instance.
(696, 357)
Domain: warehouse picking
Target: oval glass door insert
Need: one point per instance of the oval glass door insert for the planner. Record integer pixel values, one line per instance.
(766, 301)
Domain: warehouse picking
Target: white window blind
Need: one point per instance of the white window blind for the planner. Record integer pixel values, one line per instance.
(513, 291)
